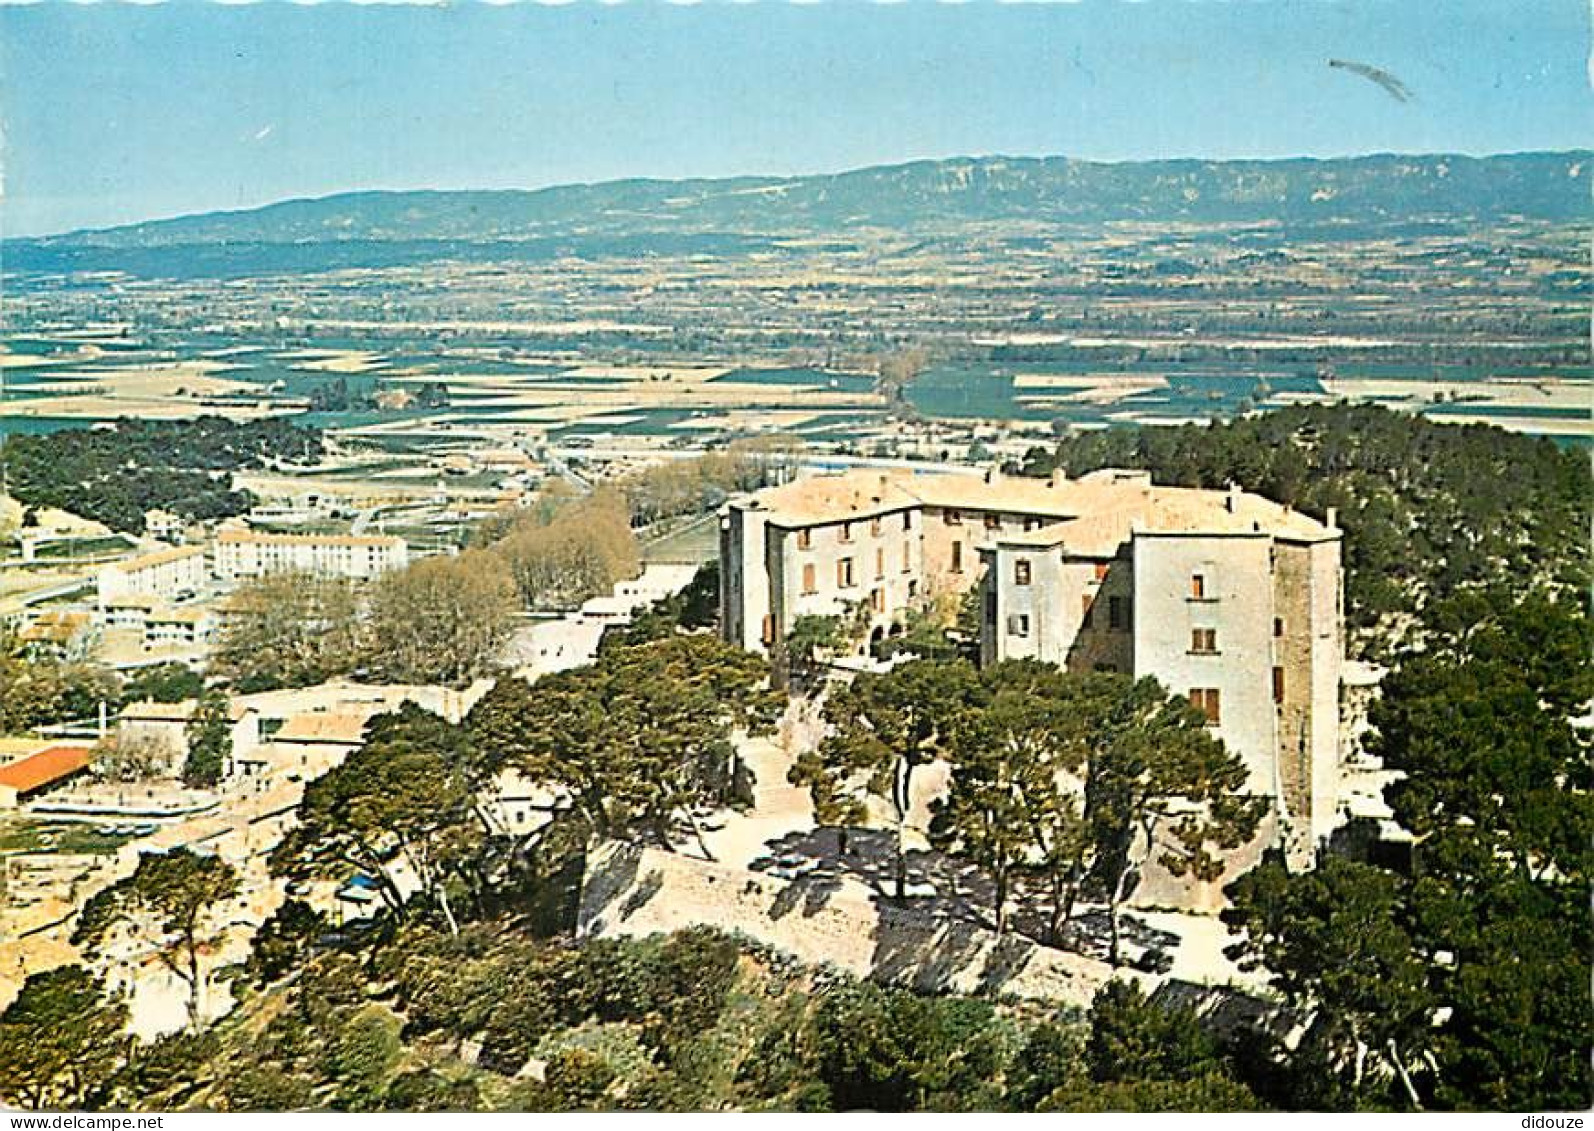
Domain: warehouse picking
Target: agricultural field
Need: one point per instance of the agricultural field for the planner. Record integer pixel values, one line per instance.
(1008, 321)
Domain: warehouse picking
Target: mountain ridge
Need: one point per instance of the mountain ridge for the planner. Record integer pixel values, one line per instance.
(1373, 187)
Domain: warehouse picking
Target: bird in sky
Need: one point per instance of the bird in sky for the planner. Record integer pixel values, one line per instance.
(1396, 89)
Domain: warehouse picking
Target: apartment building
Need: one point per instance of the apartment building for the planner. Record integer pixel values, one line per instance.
(162, 573)
(247, 553)
(1225, 597)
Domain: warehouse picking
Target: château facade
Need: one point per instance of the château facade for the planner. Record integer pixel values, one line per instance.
(1225, 597)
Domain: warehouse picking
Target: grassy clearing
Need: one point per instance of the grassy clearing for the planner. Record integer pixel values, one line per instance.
(20, 833)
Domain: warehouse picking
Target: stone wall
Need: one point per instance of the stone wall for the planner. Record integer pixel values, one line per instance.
(633, 891)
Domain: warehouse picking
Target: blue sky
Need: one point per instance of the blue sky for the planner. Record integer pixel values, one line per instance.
(114, 113)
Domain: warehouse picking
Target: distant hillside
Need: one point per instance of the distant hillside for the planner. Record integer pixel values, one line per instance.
(1380, 188)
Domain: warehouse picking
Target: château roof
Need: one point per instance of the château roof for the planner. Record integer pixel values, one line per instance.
(835, 498)
(1173, 511)
(1092, 515)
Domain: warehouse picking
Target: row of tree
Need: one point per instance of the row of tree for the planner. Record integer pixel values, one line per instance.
(440, 620)
(699, 484)
(37, 690)
(341, 395)
(565, 547)
(445, 620)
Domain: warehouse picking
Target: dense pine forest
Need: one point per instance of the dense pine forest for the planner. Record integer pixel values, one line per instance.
(114, 475)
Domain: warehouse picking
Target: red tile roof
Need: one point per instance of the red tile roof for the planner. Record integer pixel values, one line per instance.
(46, 766)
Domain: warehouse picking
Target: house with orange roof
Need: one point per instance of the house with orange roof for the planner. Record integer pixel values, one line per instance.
(33, 774)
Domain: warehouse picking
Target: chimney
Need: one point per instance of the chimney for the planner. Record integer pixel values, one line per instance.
(1058, 478)
(1233, 501)
(1333, 518)
(992, 474)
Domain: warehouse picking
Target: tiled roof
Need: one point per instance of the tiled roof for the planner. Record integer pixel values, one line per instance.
(49, 765)
(159, 557)
(149, 711)
(834, 498)
(59, 627)
(324, 726)
(1092, 515)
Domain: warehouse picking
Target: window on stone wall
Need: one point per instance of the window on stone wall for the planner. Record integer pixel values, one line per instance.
(1021, 571)
(805, 539)
(1018, 624)
(1208, 701)
(993, 522)
(1198, 586)
(846, 532)
(953, 518)
(1278, 626)
(879, 562)
(907, 520)
(1278, 685)
(874, 526)
(957, 557)
(810, 585)
(844, 573)
(907, 557)
(1204, 641)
